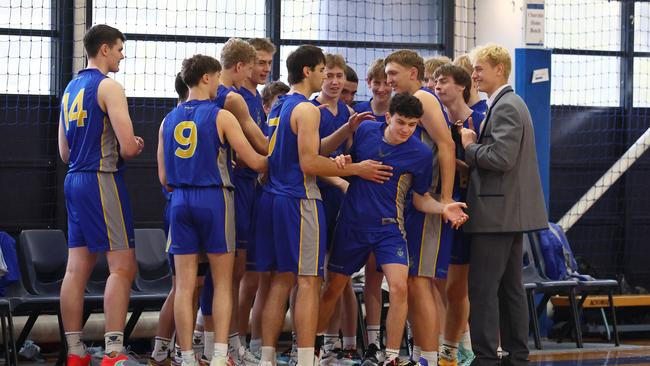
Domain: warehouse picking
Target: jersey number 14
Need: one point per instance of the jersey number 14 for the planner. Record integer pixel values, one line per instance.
(76, 112)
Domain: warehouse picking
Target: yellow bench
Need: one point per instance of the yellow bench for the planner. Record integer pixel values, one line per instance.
(602, 301)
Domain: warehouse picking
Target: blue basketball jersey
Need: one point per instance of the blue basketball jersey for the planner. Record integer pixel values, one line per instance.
(372, 205)
(256, 110)
(480, 107)
(222, 93)
(255, 107)
(421, 134)
(367, 107)
(91, 139)
(195, 156)
(285, 176)
(329, 123)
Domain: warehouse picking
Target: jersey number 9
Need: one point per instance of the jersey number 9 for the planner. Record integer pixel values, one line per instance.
(188, 143)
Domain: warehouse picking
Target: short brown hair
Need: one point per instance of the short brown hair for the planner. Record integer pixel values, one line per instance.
(262, 44)
(237, 50)
(195, 67)
(272, 90)
(376, 70)
(494, 55)
(101, 34)
(407, 58)
(460, 76)
(464, 62)
(333, 60)
(431, 64)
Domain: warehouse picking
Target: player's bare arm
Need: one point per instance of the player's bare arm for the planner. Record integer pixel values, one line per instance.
(236, 105)
(452, 212)
(305, 120)
(330, 143)
(434, 123)
(160, 157)
(64, 149)
(230, 130)
(111, 98)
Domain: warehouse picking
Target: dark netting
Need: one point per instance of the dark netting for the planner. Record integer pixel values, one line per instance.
(40, 44)
(599, 111)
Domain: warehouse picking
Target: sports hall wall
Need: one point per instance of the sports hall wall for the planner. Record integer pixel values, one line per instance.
(599, 81)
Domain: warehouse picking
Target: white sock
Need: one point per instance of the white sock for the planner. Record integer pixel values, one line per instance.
(242, 340)
(160, 348)
(268, 354)
(197, 341)
(349, 342)
(466, 341)
(208, 344)
(391, 354)
(220, 350)
(449, 350)
(374, 334)
(199, 319)
(114, 342)
(188, 358)
(75, 345)
(234, 343)
(255, 345)
(306, 356)
(417, 351)
(431, 357)
(330, 341)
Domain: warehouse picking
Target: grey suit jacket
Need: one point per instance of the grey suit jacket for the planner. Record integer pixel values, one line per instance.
(505, 191)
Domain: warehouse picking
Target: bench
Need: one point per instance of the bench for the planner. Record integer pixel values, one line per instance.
(601, 302)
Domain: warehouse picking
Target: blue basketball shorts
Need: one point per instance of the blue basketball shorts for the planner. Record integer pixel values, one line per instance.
(99, 211)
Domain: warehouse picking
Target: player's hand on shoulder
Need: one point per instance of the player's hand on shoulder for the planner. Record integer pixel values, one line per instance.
(356, 118)
(374, 171)
(453, 212)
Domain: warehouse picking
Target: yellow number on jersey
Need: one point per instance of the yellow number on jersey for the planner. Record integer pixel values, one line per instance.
(189, 142)
(76, 112)
(273, 122)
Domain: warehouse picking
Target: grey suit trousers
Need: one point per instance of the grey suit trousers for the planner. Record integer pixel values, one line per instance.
(497, 299)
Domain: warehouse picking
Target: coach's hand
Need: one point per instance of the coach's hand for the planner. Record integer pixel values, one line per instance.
(467, 136)
(374, 171)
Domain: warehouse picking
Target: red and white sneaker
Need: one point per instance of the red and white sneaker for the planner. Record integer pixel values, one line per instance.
(74, 360)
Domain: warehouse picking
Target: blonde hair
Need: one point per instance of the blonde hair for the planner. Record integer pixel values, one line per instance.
(376, 70)
(431, 64)
(237, 50)
(407, 58)
(262, 44)
(464, 62)
(494, 55)
(333, 60)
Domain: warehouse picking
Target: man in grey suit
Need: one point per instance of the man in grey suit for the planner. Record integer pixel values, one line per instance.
(505, 200)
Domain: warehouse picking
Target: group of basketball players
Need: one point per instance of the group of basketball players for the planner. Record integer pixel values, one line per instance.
(264, 189)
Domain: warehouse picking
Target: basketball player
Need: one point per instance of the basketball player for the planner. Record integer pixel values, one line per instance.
(95, 137)
(296, 223)
(430, 65)
(351, 85)
(404, 70)
(381, 92)
(372, 215)
(453, 86)
(192, 138)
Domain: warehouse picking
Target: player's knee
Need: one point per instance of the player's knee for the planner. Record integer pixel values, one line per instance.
(127, 274)
(456, 294)
(398, 289)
